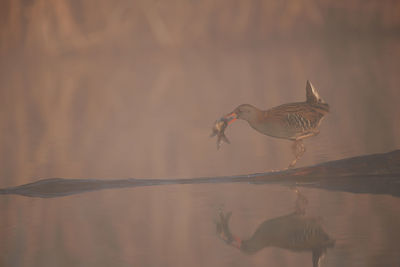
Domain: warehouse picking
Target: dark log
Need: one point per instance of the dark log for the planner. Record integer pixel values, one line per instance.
(372, 174)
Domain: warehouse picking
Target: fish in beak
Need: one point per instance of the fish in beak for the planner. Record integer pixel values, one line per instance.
(220, 126)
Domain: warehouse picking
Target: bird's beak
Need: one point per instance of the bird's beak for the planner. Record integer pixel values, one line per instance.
(231, 117)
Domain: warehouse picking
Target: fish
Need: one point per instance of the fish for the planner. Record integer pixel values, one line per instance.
(219, 129)
(222, 225)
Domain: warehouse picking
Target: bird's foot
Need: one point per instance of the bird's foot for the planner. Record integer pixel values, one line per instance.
(277, 170)
(292, 164)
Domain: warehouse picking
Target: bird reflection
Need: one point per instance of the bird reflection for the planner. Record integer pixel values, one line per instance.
(295, 232)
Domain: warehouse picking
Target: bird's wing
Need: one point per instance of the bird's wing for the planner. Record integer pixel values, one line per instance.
(299, 117)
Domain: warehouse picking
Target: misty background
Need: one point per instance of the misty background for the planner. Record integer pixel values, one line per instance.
(118, 89)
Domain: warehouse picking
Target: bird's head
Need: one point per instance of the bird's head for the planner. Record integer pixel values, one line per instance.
(245, 112)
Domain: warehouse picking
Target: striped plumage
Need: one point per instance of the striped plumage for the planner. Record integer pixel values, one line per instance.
(295, 231)
(293, 121)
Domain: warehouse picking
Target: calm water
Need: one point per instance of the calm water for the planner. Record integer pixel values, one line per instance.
(132, 88)
(175, 226)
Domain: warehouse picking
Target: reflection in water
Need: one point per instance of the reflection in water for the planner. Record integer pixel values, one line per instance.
(117, 89)
(294, 231)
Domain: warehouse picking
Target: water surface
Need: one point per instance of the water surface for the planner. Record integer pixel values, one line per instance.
(130, 89)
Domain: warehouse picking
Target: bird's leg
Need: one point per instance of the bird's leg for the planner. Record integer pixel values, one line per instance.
(316, 132)
(298, 151)
(301, 203)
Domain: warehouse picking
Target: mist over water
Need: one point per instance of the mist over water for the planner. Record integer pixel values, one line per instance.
(122, 89)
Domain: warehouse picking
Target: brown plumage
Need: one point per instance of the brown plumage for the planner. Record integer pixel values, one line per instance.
(295, 231)
(293, 121)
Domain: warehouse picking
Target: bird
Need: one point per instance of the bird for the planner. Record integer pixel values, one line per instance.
(295, 232)
(291, 121)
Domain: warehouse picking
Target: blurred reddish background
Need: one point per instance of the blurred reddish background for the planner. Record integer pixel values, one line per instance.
(115, 89)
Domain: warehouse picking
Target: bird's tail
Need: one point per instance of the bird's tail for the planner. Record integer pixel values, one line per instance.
(314, 98)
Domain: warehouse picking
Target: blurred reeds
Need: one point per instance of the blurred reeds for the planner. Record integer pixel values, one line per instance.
(131, 88)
